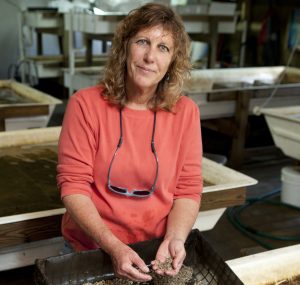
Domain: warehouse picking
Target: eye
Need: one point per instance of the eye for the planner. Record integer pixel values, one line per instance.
(142, 42)
(164, 48)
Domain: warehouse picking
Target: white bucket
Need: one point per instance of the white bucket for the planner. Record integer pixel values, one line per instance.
(290, 193)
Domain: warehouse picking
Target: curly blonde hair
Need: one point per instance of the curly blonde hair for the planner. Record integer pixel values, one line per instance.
(169, 88)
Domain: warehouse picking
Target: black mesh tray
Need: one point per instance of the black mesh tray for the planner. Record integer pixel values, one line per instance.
(95, 265)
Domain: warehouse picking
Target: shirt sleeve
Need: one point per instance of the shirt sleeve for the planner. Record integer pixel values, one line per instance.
(190, 182)
(76, 149)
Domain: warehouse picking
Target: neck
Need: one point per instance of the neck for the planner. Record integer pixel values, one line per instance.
(135, 106)
(138, 98)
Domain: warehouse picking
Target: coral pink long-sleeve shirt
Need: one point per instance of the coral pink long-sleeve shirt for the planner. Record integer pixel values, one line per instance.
(89, 136)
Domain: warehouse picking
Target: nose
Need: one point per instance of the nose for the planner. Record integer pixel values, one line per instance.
(149, 55)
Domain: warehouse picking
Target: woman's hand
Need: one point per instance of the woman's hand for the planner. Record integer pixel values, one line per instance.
(128, 264)
(180, 222)
(170, 248)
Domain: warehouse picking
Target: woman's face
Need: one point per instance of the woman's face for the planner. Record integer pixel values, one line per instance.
(149, 56)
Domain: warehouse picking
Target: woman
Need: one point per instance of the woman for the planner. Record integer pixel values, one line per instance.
(130, 149)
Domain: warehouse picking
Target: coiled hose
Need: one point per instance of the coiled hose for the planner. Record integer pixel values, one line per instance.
(234, 213)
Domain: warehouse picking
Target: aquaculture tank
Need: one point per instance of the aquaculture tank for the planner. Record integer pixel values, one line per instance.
(284, 125)
(32, 209)
(24, 107)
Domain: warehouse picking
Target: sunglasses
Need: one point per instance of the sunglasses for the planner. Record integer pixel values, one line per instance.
(137, 193)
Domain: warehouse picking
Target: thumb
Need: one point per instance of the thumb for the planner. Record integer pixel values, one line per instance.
(140, 264)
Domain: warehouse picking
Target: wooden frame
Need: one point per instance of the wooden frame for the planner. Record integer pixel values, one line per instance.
(42, 103)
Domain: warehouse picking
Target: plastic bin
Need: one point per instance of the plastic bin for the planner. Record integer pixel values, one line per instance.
(92, 266)
(290, 178)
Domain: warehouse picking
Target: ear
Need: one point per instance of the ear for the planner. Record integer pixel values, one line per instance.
(167, 76)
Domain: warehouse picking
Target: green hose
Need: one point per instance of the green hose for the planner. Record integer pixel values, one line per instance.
(233, 215)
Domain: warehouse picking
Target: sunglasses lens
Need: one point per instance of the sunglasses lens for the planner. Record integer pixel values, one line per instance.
(119, 190)
(141, 193)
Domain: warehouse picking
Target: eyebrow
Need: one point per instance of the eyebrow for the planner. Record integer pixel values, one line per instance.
(170, 46)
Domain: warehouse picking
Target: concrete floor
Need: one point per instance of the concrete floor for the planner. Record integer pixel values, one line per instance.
(277, 220)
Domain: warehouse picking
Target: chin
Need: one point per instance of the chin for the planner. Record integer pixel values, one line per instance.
(146, 83)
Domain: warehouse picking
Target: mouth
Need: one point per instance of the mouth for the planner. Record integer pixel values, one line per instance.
(145, 69)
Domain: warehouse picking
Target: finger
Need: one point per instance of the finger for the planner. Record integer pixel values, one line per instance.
(178, 254)
(136, 275)
(155, 263)
(177, 250)
(161, 258)
(123, 275)
(141, 264)
(155, 267)
(178, 261)
(131, 273)
(173, 251)
(159, 271)
(172, 272)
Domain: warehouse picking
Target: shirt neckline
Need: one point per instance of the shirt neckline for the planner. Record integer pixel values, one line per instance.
(137, 113)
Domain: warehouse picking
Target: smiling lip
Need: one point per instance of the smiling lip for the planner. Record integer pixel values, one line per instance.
(145, 69)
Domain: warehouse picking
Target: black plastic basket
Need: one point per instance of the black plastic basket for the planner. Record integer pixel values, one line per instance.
(95, 265)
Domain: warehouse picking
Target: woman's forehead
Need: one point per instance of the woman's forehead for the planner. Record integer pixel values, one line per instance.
(156, 32)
